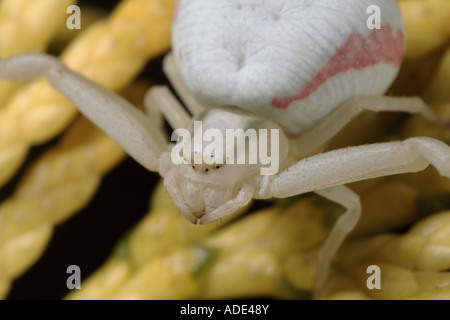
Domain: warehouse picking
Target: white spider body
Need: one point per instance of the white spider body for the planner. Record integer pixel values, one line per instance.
(201, 190)
(307, 66)
(290, 60)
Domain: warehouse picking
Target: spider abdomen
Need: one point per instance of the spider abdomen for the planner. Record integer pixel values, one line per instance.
(292, 61)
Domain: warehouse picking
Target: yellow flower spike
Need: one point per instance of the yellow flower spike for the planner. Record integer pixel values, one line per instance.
(90, 14)
(433, 285)
(107, 280)
(61, 182)
(244, 231)
(412, 266)
(437, 89)
(48, 185)
(11, 160)
(244, 273)
(396, 282)
(110, 52)
(36, 29)
(300, 269)
(441, 294)
(402, 251)
(414, 75)
(21, 251)
(341, 286)
(427, 27)
(274, 242)
(388, 205)
(161, 199)
(23, 214)
(431, 187)
(4, 288)
(400, 283)
(427, 35)
(161, 231)
(71, 160)
(159, 11)
(364, 248)
(435, 252)
(113, 51)
(172, 276)
(426, 246)
(300, 226)
(428, 226)
(369, 127)
(430, 281)
(248, 254)
(349, 295)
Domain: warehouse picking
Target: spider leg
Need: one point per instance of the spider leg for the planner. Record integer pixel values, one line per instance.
(170, 70)
(343, 226)
(325, 172)
(161, 98)
(348, 110)
(118, 118)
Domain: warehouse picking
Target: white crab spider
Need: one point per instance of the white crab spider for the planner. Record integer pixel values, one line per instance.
(306, 67)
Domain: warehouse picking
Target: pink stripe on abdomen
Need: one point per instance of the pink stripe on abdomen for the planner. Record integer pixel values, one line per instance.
(175, 11)
(356, 53)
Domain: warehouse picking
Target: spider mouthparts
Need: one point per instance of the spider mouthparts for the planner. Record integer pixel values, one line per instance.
(197, 217)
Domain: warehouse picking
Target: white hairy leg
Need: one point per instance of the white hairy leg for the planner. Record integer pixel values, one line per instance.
(351, 164)
(124, 123)
(343, 226)
(171, 72)
(168, 105)
(350, 109)
(324, 172)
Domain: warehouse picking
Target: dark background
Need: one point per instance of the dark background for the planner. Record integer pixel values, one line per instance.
(87, 238)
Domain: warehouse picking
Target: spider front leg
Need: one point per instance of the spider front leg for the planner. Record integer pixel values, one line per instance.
(124, 123)
(343, 226)
(160, 97)
(170, 69)
(324, 173)
(328, 127)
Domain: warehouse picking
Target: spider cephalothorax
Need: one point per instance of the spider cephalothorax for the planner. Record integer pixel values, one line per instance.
(221, 158)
